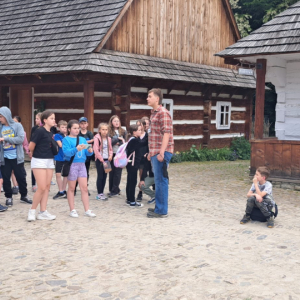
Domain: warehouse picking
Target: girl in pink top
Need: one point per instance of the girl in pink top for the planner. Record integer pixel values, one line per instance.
(103, 153)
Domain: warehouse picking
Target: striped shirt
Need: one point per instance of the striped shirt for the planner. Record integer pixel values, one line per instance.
(161, 122)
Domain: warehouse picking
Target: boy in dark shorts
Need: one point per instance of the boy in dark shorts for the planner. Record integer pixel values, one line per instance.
(59, 161)
(260, 195)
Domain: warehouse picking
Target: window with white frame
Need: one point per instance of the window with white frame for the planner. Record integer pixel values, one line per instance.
(168, 104)
(223, 115)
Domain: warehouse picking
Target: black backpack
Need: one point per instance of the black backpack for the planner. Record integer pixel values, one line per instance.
(257, 215)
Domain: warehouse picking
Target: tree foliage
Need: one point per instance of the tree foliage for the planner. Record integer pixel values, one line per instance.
(251, 14)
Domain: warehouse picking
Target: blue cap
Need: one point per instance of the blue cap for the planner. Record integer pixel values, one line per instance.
(83, 119)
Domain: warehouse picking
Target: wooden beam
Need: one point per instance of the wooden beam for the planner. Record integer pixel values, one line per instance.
(231, 61)
(261, 66)
(114, 25)
(249, 109)
(88, 90)
(21, 105)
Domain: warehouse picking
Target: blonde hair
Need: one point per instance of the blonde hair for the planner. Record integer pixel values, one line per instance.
(62, 123)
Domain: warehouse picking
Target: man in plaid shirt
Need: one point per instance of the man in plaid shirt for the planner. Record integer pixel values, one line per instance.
(161, 147)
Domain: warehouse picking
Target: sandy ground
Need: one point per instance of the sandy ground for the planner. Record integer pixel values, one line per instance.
(199, 252)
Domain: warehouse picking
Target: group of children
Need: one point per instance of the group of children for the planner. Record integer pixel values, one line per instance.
(77, 147)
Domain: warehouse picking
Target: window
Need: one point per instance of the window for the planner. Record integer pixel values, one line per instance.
(168, 104)
(223, 115)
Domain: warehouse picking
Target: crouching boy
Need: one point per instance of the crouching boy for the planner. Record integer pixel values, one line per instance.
(260, 195)
(147, 180)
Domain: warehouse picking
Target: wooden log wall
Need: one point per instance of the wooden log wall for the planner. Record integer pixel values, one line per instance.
(187, 30)
(67, 101)
(194, 118)
(282, 157)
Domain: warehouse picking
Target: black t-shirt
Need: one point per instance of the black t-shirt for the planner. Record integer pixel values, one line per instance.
(88, 135)
(42, 139)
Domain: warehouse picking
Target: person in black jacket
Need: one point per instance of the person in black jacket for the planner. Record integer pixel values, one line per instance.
(134, 153)
(147, 180)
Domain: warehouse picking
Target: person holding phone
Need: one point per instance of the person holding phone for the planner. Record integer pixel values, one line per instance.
(103, 153)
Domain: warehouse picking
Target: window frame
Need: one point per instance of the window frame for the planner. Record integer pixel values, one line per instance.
(219, 113)
(171, 103)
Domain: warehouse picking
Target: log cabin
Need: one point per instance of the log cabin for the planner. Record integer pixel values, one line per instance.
(274, 50)
(100, 57)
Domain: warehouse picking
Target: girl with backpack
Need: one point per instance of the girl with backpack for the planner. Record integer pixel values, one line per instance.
(118, 138)
(76, 149)
(133, 152)
(103, 154)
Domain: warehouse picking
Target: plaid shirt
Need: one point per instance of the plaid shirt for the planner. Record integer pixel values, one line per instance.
(161, 122)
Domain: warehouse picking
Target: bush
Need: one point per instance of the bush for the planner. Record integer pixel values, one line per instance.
(204, 154)
(241, 147)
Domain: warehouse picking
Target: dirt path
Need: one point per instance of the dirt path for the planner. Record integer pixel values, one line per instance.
(199, 252)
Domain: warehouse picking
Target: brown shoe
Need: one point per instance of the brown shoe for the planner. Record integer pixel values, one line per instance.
(152, 214)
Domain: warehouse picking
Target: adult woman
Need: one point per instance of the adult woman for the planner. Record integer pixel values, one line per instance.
(42, 166)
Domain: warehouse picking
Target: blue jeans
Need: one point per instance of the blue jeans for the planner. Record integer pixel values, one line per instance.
(161, 184)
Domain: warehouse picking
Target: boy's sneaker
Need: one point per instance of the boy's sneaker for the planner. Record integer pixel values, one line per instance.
(53, 183)
(245, 219)
(101, 197)
(136, 204)
(73, 213)
(59, 195)
(9, 202)
(113, 194)
(139, 196)
(151, 201)
(34, 188)
(151, 209)
(2, 190)
(270, 222)
(45, 216)
(89, 213)
(31, 215)
(26, 200)
(65, 195)
(15, 190)
(3, 208)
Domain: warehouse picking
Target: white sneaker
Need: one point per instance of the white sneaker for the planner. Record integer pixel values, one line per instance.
(73, 213)
(89, 213)
(101, 197)
(31, 215)
(45, 216)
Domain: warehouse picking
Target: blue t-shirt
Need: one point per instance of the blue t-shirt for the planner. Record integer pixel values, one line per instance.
(60, 155)
(10, 150)
(69, 149)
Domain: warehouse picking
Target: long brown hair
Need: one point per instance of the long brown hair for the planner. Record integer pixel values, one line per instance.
(111, 129)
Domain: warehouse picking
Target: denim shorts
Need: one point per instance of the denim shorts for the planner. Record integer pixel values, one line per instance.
(77, 170)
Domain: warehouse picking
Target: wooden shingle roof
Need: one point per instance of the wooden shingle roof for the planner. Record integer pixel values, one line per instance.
(43, 36)
(280, 35)
(114, 62)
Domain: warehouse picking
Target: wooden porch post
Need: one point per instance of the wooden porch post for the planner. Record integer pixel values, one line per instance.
(121, 101)
(21, 105)
(206, 117)
(261, 65)
(89, 88)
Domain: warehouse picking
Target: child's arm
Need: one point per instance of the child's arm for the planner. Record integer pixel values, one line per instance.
(16, 140)
(25, 144)
(70, 150)
(257, 190)
(96, 149)
(91, 138)
(88, 152)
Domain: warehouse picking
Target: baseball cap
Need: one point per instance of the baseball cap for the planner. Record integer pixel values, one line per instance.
(83, 119)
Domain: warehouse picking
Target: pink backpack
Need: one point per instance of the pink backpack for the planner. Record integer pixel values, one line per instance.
(121, 160)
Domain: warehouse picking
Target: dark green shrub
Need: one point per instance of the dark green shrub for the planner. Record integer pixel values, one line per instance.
(241, 147)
